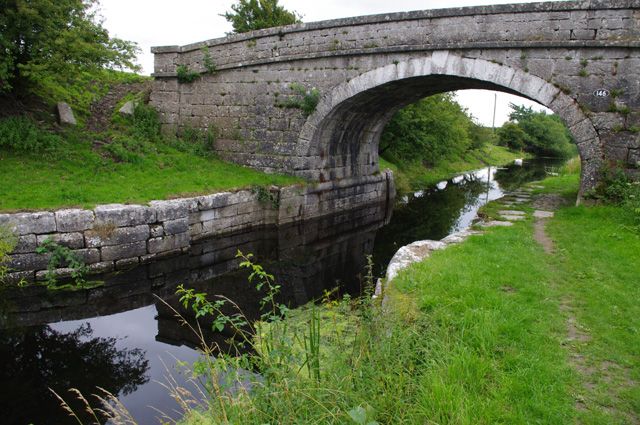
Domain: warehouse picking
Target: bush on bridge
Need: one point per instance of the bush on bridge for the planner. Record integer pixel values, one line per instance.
(250, 15)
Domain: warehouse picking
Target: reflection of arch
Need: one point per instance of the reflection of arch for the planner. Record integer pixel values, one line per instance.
(344, 131)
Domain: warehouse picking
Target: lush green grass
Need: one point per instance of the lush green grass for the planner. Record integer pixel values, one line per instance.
(597, 279)
(81, 176)
(494, 335)
(417, 176)
(133, 162)
(494, 330)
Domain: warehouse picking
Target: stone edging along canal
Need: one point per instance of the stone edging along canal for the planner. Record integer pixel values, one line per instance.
(118, 236)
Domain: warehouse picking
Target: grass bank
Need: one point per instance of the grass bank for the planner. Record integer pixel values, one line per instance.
(417, 176)
(80, 176)
(494, 330)
(45, 167)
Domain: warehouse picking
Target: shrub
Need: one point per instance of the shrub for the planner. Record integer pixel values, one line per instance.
(146, 123)
(303, 99)
(186, 75)
(21, 134)
(617, 188)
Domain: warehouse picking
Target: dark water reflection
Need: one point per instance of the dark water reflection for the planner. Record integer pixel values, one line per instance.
(124, 336)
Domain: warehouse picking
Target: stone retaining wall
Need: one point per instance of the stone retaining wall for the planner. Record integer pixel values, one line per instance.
(116, 236)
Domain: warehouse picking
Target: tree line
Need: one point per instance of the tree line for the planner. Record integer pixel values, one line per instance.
(438, 128)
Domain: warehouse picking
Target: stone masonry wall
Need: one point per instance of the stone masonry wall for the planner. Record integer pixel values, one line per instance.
(115, 237)
(576, 47)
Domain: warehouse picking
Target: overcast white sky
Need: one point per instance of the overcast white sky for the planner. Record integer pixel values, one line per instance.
(168, 22)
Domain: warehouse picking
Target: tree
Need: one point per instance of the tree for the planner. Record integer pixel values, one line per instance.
(512, 136)
(57, 39)
(429, 130)
(544, 135)
(250, 15)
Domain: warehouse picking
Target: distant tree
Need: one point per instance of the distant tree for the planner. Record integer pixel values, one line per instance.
(545, 135)
(42, 39)
(429, 130)
(249, 15)
(481, 135)
(512, 136)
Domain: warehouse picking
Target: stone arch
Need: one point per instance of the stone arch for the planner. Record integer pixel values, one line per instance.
(342, 134)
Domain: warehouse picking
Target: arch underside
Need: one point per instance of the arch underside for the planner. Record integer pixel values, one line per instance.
(345, 130)
(350, 134)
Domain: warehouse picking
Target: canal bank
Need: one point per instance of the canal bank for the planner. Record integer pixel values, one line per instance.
(307, 258)
(117, 237)
(500, 329)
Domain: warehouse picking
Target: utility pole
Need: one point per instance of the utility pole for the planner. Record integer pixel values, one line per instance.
(495, 101)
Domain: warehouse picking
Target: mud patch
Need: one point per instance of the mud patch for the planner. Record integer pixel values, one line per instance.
(550, 202)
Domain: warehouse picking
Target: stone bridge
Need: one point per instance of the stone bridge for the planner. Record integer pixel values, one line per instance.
(581, 59)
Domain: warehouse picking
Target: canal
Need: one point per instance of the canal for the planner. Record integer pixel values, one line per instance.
(124, 336)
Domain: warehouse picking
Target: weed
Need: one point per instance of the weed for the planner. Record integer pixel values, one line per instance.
(615, 93)
(207, 61)
(265, 196)
(303, 99)
(7, 243)
(252, 43)
(584, 62)
(583, 73)
(186, 75)
(196, 140)
(370, 45)
(104, 230)
(61, 256)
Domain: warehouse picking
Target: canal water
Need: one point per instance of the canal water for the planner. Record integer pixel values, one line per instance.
(124, 336)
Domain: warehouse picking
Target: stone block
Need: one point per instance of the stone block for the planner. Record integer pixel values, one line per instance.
(89, 255)
(74, 220)
(57, 273)
(17, 277)
(127, 263)
(124, 215)
(118, 236)
(168, 243)
(70, 240)
(156, 230)
(129, 250)
(101, 267)
(128, 108)
(65, 114)
(172, 227)
(241, 196)
(32, 261)
(28, 223)
(25, 243)
(215, 200)
(172, 209)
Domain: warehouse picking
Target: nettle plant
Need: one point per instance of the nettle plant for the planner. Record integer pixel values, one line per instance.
(61, 256)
